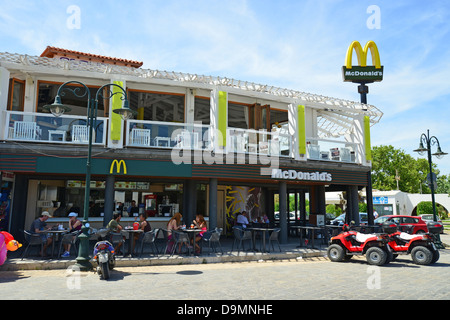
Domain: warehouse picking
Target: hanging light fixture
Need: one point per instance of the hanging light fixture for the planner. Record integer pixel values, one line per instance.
(57, 108)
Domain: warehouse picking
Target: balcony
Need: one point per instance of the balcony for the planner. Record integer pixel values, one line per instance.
(72, 130)
(45, 128)
(258, 142)
(167, 135)
(331, 150)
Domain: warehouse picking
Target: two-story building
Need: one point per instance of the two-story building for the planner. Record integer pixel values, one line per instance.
(199, 144)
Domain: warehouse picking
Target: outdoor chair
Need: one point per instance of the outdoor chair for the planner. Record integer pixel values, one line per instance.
(115, 239)
(69, 238)
(240, 235)
(98, 234)
(165, 241)
(180, 239)
(314, 151)
(274, 238)
(140, 137)
(33, 240)
(213, 239)
(149, 237)
(80, 134)
(24, 130)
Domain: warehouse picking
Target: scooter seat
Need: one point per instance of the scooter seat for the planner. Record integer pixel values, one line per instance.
(406, 236)
(361, 237)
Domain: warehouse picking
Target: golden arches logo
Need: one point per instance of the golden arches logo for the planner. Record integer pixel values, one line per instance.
(118, 165)
(361, 54)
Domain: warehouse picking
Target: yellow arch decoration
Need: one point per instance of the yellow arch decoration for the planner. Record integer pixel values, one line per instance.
(361, 54)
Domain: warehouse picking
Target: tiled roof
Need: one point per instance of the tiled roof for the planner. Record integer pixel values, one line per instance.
(50, 52)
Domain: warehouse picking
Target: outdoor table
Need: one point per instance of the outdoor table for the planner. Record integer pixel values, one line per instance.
(56, 233)
(131, 233)
(263, 234)
(313, 229)
(192, 233)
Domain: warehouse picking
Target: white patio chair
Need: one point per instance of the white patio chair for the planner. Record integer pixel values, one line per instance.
(241, 142)
(252, 142)
(24, 130)
(345, 155)
(140, 137)
(80, 134)
(314, 151)
(184, 140)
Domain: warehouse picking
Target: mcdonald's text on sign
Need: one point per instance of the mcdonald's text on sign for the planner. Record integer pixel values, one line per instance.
(118, 165)
(363, 72)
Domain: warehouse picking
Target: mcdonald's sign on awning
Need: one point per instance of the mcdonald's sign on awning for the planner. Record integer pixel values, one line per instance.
(363, 72)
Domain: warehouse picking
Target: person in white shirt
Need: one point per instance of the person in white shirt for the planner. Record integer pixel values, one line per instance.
(242, 219)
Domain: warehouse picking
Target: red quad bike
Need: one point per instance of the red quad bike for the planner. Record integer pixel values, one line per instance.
(421, 246)
(349, 243)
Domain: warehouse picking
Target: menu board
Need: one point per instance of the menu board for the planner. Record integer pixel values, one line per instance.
(125, 185)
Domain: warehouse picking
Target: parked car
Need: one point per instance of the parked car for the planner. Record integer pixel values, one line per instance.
(418, 225)
(340, 220)
(429, 218)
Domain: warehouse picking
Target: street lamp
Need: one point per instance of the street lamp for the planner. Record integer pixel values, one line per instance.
(426, 140)
(58, 109)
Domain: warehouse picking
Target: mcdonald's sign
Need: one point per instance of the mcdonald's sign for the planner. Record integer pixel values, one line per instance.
(118, 164)
(363, 72)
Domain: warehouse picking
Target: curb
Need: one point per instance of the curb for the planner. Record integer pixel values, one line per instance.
(18, 265)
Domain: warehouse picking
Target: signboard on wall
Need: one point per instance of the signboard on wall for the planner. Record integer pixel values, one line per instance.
(380, 200)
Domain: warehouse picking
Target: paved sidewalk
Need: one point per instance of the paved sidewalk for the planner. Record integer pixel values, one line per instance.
(230, 283)
(289, 251)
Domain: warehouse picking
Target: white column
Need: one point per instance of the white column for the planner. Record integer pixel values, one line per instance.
(4, 88)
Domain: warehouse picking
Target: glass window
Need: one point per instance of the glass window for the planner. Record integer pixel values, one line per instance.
(238, 116)
(278, 118)
(202, 110)
(409, 220)
(153, 106)
(17, 94)
(70, 95)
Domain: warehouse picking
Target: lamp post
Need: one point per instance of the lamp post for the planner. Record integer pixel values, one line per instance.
(58, 109)
(426, 140)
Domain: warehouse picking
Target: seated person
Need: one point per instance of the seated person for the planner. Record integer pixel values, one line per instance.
(144, 225)
(38, 226)
(199, 223)
(114, 226)
(74, 225)
(242, 219)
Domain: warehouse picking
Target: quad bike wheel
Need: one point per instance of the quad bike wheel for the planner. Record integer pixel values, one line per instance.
(436, 256)
(376, 256)
(335, 253)
(421, 255)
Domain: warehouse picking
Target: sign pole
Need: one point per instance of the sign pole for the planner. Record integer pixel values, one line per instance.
(364, 74)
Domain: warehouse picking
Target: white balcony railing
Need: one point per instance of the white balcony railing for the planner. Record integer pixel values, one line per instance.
(68, 129)
(46, 128)
(167, 135)
(331, 150)
(258, 142)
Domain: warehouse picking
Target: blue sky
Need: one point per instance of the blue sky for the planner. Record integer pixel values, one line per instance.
(293, 44)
